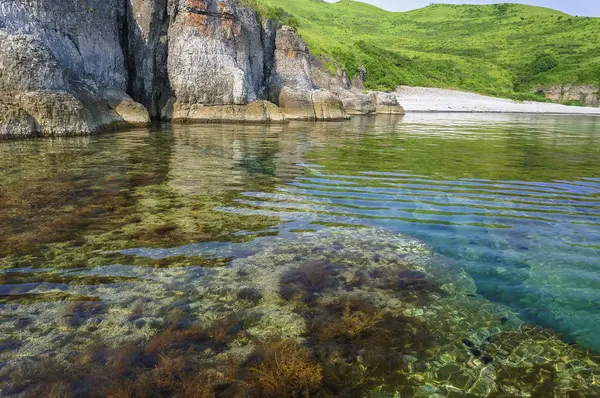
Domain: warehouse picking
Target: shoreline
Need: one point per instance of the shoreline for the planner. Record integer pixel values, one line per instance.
(436, 100)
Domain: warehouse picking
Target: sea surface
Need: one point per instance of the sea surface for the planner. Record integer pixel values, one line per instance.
(128, 234)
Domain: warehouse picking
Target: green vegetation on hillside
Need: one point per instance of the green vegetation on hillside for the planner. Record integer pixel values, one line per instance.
(503, 49)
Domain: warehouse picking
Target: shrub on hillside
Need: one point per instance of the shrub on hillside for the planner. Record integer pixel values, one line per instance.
(543, 63)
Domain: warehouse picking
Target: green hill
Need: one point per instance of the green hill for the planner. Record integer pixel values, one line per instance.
(503, 49)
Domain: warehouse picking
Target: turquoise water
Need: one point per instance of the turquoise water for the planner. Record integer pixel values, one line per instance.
(514, 199)
(133, 236)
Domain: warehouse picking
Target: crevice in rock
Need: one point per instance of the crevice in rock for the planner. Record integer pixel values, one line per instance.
(124, 38)
(162, 92)
(145, 46)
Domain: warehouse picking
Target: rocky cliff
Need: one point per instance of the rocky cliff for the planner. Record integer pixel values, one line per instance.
(587, 95)
(62, 69)
(77, 67)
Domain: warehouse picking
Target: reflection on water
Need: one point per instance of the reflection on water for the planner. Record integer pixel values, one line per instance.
(148, 256)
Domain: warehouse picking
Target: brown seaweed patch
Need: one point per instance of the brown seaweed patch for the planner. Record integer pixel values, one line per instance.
(284, 369)
(32, 298)
(175, 362)
(37, 378)
(308, 280)
(407, 285)
(345, 319)
(13, 278)
(77, 312)
(70, 222)
(187, 261)
(361, 346)
(250, 295)
(75, 208)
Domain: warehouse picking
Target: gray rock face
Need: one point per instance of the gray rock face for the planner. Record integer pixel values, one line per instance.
(311, 105)
(254, 112)
(291, 83)
(355, 101)
(81, 36)
(15, 122)
(216, 54)
(292, 65)
(324, 79)
(297, 104)
(61, 68)
(361, 77)
(386, 103)
(374, 102)
(328, 106)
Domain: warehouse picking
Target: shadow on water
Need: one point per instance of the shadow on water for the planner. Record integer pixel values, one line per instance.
(220, 260)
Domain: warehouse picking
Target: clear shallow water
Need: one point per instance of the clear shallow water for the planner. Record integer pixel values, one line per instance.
(514, 199)
(149, 218)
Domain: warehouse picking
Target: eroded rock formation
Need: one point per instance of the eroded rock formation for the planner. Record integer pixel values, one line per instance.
(355, 100)
(588, 95)
(70, 67)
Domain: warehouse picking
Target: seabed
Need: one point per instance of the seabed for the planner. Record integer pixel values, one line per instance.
(334, 312)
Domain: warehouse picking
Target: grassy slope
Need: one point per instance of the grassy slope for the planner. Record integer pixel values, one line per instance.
(500, 50)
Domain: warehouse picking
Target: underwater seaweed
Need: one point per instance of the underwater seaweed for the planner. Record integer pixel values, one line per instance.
(53, 296)
(361, 346)
(13, 278)
(285, 369)
(308, 280)
(348, 318)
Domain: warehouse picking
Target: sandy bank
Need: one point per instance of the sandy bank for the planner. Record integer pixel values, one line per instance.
(422, 99)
